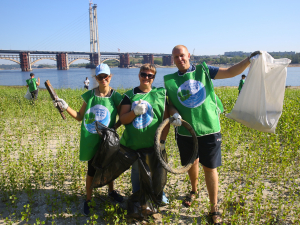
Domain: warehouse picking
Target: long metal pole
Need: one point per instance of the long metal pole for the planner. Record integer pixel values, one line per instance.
(96, 33)
(91, 29)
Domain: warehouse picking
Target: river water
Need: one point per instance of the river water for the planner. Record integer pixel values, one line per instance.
(123, 78)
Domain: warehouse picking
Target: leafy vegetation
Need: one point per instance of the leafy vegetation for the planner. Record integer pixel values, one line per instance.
(42, 180)
(46, 66)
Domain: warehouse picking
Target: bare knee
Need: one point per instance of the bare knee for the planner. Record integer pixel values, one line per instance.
(206, 169)
(196, 162)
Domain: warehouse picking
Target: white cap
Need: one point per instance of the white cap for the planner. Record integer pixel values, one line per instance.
(102, 68)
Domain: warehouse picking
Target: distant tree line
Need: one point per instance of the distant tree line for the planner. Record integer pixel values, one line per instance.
(79, 65)
(222, 60)
(232, 60)
(295, 58)
(140, 60)
(10, 66)
(45, 66)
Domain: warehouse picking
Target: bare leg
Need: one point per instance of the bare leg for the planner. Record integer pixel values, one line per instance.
(211, 179)
(193, 174)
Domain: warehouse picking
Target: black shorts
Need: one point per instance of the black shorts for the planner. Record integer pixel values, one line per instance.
(209, 149)
(91, 170)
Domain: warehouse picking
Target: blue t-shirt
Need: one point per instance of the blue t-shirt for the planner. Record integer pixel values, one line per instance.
(212, 71)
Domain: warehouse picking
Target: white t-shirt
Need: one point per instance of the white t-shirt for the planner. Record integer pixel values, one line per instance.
(86, 82)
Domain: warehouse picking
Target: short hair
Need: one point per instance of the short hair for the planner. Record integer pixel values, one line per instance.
(148, 66)
(31, 74)
(243, 75)
(179, 46)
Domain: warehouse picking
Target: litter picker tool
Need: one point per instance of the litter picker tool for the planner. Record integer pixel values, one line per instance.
(54, 97)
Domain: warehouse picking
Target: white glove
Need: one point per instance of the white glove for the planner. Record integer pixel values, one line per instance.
(177, 121)
(140, 108)
(64, 105)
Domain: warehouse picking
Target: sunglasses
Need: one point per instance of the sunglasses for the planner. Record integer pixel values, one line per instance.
(102, 77)
(144, 75)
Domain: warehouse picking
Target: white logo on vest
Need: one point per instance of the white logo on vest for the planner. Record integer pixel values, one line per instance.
(96, 113)
(191, 93)
(145, 119)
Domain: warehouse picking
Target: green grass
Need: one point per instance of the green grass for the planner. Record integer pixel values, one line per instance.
(43, 181)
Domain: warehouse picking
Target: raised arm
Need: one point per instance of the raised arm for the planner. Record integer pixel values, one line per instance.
(235, 69)
(38, 82)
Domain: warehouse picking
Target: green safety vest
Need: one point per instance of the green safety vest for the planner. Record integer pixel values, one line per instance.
(242, 81)
(31, 84)
(141, 131)
(101, 109)
(193, 96)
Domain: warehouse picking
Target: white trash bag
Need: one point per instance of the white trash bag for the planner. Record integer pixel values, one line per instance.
(27, 95)
(259, 105)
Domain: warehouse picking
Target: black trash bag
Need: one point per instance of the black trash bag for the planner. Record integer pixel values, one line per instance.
(110, 161)
(134, 206)
(153, 178)
(109, 146)
(158, 174)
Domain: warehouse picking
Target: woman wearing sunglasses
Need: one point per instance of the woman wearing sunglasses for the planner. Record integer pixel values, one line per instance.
(99, 104)
(142, 110)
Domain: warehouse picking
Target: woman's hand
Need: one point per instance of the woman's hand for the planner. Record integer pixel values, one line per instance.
(64, 105)
(140, 108)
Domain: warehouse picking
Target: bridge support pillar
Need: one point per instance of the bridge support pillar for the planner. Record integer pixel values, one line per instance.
(151, 59)
(25, 61)
(124, 60)
(94, 61)
(62, 61)
(148, 59)
(168, 60)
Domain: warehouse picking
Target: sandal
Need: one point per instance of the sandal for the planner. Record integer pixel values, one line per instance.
(187, 202)
(211, 214)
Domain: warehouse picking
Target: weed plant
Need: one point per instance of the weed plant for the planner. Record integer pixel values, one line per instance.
(42, 180)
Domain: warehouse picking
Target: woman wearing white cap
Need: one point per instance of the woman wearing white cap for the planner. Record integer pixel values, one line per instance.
(100, 104)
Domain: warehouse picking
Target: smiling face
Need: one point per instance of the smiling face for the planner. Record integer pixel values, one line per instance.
(146, 81)
(181, 58)
(103, 80)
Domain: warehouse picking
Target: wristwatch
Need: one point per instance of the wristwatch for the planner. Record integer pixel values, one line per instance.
(162, 142)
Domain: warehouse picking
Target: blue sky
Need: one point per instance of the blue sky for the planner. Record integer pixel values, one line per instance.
(209, 27)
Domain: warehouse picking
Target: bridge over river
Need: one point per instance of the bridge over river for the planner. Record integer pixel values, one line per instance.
(64, 59)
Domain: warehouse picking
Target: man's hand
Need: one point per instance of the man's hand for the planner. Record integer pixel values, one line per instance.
(176, 121)
(254, 54)
(64, 105)
(140, 108)
(38, 82)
